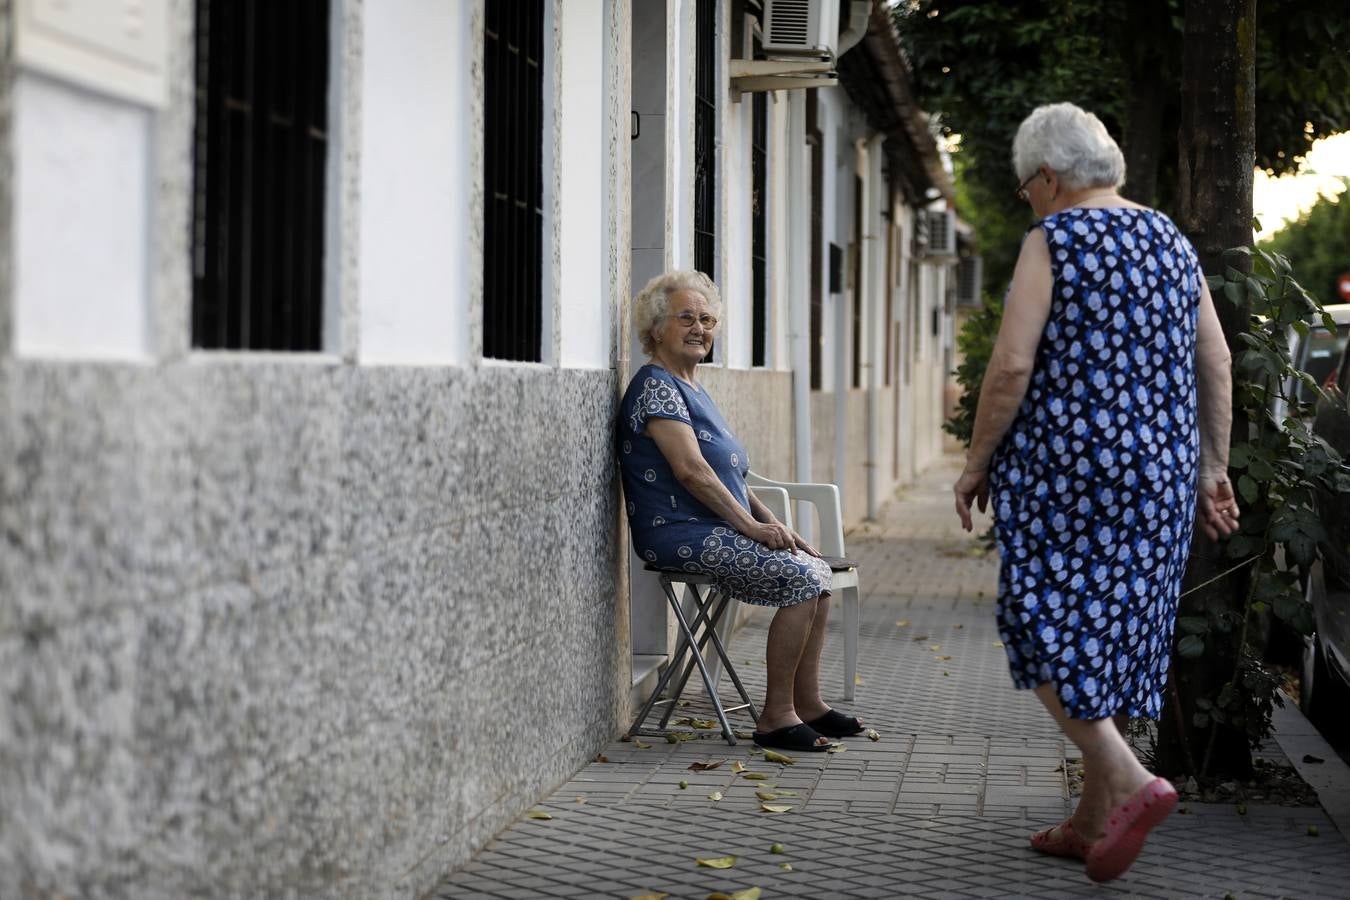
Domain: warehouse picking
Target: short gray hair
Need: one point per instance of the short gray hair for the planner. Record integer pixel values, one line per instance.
(1071, 141)
(652, 304)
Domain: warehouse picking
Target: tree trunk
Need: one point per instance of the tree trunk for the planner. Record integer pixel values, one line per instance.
(1143, 137)
(1217, 154)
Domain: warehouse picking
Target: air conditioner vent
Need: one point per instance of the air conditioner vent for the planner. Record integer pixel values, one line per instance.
(801, 27)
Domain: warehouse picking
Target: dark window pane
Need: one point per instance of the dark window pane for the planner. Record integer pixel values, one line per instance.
(260, 150)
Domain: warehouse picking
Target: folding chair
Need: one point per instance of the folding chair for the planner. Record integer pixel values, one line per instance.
(708, 608)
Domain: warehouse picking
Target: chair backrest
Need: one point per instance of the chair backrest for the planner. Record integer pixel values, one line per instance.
(825, 499)
(776, 499)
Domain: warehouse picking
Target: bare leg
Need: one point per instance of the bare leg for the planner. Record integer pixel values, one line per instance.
(1111, 772)
(788, 636)
(806, 688)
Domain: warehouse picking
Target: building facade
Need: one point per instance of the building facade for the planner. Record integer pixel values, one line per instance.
(313, 323)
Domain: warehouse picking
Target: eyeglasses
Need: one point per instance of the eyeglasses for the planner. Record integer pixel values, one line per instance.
(687, 319)
(1022, 188)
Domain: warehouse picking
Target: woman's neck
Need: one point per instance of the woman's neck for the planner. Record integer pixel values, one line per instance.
(679, 368)
(1092, 196)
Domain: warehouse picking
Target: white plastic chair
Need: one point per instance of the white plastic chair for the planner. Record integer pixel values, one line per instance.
(777, 496)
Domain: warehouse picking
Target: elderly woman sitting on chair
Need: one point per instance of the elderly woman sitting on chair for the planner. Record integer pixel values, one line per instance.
(689, 508)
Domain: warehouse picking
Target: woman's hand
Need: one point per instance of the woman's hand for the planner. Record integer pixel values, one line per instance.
(971, 486)
(774, 535)
(1216, 507)
(800, 544)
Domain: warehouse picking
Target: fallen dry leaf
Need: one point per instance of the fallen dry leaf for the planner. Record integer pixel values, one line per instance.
(766, 795)
(944, 658)
(935, 647)
(782, 792)
(642, 746)
(601, 758)
(958, 625)
(755, 776)
(858, 680)
(537, 814)
(776, 848)
(715, 796)
(705, 765)
(738, 767)
(580, 799)
(747, 894)
(720, 862)
(872, 734)
(786, 867)
(998, 643)
(919, 637)
(902, 623)
(705, 724)
(743, 735)
(674, 737)
(774, 807)
(775, 756)
(836, 748)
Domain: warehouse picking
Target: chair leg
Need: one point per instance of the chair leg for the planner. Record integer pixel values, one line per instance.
(719, 605)
(676, 660)
(703, 670)
(850, 641)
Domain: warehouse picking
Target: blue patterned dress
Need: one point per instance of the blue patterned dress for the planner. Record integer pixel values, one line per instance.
(672, 528)
(1093, 487)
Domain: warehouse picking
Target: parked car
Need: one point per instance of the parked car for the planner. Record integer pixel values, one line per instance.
(1317, 354)
(1325, 693)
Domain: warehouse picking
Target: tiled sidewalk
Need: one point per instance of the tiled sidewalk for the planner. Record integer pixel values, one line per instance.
(940, 806)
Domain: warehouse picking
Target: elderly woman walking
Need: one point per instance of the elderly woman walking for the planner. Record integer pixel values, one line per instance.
(689, 508)
(1101, 437)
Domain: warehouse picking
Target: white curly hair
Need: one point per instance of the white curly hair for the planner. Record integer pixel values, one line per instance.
(1071, 141)
(652, 304)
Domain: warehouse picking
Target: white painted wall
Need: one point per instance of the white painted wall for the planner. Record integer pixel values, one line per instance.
(584, 300)
(414, 211)
(735, 184)
(82, 186)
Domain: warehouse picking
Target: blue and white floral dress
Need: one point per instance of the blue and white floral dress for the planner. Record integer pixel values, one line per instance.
(671, 528)
(1093, 487)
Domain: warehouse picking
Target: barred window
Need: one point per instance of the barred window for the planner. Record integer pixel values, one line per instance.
(705, 138)
(260, 152)
(513, 214)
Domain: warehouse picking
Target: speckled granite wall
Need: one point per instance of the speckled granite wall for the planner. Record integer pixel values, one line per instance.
(294, 629)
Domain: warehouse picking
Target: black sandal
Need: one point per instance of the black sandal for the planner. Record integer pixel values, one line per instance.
(837, 725)
(791, 737)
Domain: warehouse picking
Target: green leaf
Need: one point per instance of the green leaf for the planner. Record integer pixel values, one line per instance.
(1191, 646)
(1233, 291)
(1301, 327)
(1215, 282)
(1303, 549)
(1237, 456)
(1248, 489)
(1200, 720)
(1193, 624)
(1260, 469)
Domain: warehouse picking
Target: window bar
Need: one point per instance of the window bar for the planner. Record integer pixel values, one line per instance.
(705, 139)
(759, 273)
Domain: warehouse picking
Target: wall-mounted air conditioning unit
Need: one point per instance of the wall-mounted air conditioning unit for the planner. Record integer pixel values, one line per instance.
(801, 28)
(969, 279)
(941, 229)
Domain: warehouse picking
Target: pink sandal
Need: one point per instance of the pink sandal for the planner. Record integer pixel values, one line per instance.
(1061, 840)
(1127, 827)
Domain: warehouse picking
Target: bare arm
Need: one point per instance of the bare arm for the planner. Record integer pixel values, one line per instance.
(1014, 355)
(1216, 507)
(679, 445)
(1214, 388)
(1009, 371)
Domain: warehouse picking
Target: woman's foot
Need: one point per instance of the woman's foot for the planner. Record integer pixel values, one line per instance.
(1061, 840)
(835, 724)
(800, 737)
(778, 723)
(1127, 827)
